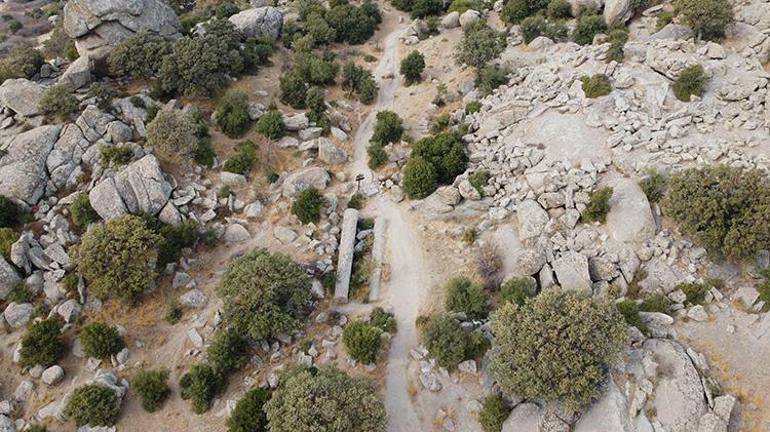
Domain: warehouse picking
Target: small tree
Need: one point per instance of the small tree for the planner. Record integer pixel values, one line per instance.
(690, 82)
(363, 341)
(173, 135)
(233, 113)
(243, 159)
(412, 67)
(559, 9)
(152, 388)
(93, 405)
(228, 352)
(494, 412)
(445, 152)
(598, 206)
(349, 404)
(426, 8)
(42, 344)
(307, 205)
(480, 45)
(139, 56)
(557, 347)
(264, 294)
(249, 413)
(654, 185)
(708, 18)
(271, 126)
(118, 258)
(388, 128)
(81, 212)
(200, 386)
(420, 179)
(100, 340)
(446, 341)
(466, 297)
(58, 101)
(377, 155)
(588, 26)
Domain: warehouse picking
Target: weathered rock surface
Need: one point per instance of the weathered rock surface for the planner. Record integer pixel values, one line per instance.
(572, 271)
(139, 188)
(314, 176)
(8, 278)
(22, 170)
(259, 22)
(22, 96)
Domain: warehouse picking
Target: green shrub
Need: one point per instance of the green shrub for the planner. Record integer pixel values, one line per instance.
(587, 27)
(518, 290)
(382, 320)
(412, 67)
(388, 128)
(654, 186)
(307, 70)
(494, 412)
(402, 5)
(352, 24)
(226, 10)
(559, 9)
(363, 341)
(243, 160)
(264, 294)
(377, 155)
(461, 6)
(58, 101)
(271, 126)
(19, 293)
(11, 214)
(723, 208)
(307, 205)
(655, 303)
(42, 344)
(118, 258)
(249, 413)
(256, 52)
(596, 85)
(426, 8)
(707, 18)
(599, 205)
(22, 61)
(480, 44)
(152, 388)
(233, 113)
(139, 56)
(420, 178)
(464, 296)
(479, 179)
(690, 82)
(100, 340)
(445, 152)
(617, 39)
(200, 386)
(59, 44)
(93, 405)
(490, 77)
(81, 212)
(173, 312)
(764, 286)
(532, 27)
(173, 135)
(447, 342)
(665, 18)
(472, 107)
(440, 123)
(630, 311)
(557, 347)
(174, 238)
(695, 292)
(36, 428)
(514, 11)
(7, 238)
(349, 404)
(228, 352)
(114, 155)
(103, 93)
(201, 66)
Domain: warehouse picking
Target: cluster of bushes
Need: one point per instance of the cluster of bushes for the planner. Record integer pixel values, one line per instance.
(389, 128)
(514, 11)
(22, 61)
(588, 26)
(100, 340)
(271, 125)
(233, 113)
(243, 160)
(434, 160)
(654, 185)
(480, 44)
(194, 66)
(690, 82)
(264, 294)
(179, 136)
(307, 70)
(93, 405)
(462, 295)
(598, 205)
(58, 101)
(412, 66)
(343, 22)
(419, 8)
(81, 212)
(557, 347)
(490, 77)
(708, 18)
(358, 81)
(307, 205)
(617, 38)
(112, 155)
(249, 413)
(535, 26)
(518, 290)
(449, 343)
(42, 344)
(363, 339)
(152, 388)
(349, 404)
(723, 208)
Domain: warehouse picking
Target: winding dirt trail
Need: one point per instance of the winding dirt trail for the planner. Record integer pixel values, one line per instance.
(408, 268)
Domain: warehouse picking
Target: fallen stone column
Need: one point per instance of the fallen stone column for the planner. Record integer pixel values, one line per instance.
(346, 251)
(378, 252)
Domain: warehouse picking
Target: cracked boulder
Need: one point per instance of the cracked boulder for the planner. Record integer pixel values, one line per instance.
(23, 168)
(21, 96)
(259, 22)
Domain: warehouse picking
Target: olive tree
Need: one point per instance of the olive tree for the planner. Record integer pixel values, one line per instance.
(557, 347)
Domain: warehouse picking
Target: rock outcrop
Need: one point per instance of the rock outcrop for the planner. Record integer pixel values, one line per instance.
(21, 96)
(23, 168)
(139, 188)
(259, 22)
